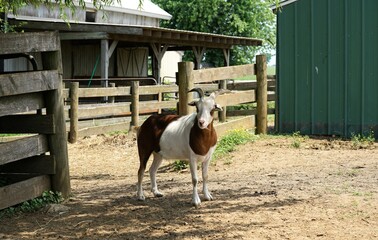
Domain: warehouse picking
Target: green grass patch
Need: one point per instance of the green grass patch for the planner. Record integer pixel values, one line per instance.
(229, 142)
(362, 140)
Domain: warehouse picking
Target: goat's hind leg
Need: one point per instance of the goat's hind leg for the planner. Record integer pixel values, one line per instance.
(153, 170)
(143, 162)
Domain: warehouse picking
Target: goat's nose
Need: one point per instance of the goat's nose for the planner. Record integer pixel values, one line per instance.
(201, 122)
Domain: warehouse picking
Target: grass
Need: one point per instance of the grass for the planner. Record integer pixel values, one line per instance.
(33, 205)
(362, 140)
(228, 143)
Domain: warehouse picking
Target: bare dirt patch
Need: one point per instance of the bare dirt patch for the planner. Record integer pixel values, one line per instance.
(267, 189)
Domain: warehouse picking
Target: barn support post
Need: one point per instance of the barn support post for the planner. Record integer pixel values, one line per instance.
(262, 95)
(159, 52)
(223, 85)
(74, 110)
(60, 181)
(104, 64)
(186, 83)
(134, 104)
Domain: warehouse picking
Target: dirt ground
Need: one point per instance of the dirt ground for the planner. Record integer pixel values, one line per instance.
(267, 189)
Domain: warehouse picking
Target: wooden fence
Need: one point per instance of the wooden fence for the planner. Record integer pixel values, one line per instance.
(31, 165)
(96, 118)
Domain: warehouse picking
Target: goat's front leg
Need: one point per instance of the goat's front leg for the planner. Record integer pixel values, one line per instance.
(196, 201)
(205, 166)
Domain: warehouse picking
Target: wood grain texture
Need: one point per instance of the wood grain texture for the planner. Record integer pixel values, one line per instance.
(21, 103)
(23, 148)
(28, 82)
(22, 191)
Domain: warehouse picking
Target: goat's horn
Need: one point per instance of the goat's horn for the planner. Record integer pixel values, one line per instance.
(199, 91)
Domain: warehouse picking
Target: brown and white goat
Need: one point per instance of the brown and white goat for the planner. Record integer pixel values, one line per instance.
(191, 137)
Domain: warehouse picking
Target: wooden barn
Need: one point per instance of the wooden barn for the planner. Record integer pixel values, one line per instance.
(126, 43)
(327, 73)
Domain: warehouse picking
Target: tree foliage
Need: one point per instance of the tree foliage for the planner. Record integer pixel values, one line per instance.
(245, 18)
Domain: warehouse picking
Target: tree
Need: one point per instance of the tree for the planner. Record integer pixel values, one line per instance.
(245, 18)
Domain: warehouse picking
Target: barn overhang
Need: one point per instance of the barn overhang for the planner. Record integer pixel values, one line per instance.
(136, 34)
(157, 39)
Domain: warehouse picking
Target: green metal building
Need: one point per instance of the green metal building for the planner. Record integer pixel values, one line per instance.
(327, 67)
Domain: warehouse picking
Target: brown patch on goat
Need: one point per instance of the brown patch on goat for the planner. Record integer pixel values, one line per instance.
(201, 140)
(149, 136)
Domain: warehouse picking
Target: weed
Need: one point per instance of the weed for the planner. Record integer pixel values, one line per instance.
(297, 139)
(229, 142)
(33, 205)
(362, 140)
(179, 165)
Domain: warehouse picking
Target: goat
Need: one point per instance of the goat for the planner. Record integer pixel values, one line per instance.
(191, 137)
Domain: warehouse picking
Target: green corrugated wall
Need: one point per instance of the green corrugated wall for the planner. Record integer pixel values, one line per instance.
(327, 67)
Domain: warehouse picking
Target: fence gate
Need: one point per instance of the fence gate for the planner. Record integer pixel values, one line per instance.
(31, 110)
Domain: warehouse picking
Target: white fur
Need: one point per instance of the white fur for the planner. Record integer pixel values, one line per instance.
(174, 144)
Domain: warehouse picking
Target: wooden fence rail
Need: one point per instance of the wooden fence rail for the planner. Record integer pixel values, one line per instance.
(124, 114)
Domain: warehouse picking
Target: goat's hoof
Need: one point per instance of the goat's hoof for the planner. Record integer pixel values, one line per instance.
(141, 198)
(196, 202)
(208, 197)
(159, 194)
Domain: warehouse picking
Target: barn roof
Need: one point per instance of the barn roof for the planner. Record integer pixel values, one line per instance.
(147, 9)
(137, 34)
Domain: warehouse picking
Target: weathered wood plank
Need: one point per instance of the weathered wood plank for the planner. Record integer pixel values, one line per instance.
(222, 73)
(241, 123)
(101, 92)
(22, 191)
(147, 106)
(29, 42)
(21, 103)
(27, 82)
(148, 90)
(27, 123)
(43, 164)
(103, 110)
(119, 109)
(248, 85)
(104, 129)
(235, 98)
(23, 148)
(247, 112)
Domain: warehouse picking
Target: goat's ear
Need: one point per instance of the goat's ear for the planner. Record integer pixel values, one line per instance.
(217, 107)
(192, 104)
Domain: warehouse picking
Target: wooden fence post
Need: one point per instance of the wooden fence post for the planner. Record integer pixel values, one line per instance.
(186, 83)
(134, 103)
(74, 109)
(222, 115)
(60, 181)
(262, 95)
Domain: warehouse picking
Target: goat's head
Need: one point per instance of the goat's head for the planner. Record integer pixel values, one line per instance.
(206, 107)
